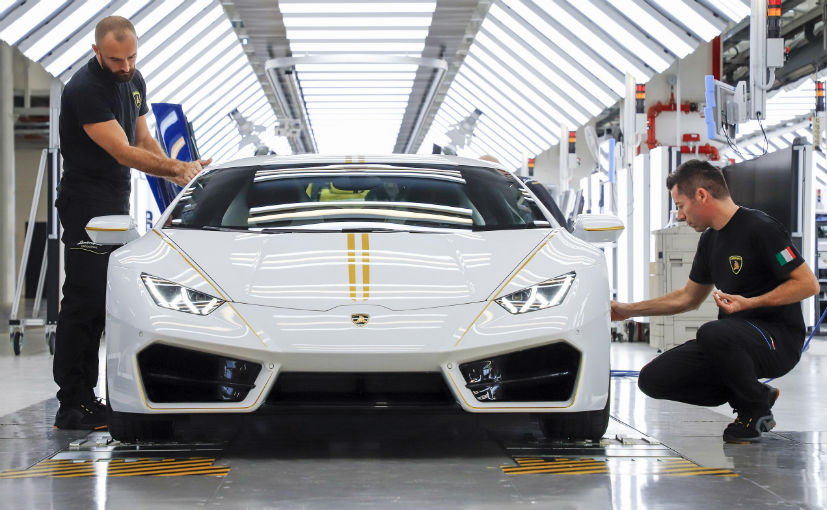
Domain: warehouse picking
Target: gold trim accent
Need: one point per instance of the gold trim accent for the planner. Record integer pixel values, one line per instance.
(187, 260)
(504, 285)
(351, 264)
(603, 229)
(101, 229)
(365, 266)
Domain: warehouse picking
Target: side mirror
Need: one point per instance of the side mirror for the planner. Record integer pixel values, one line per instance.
(598, 228)
(112, 230)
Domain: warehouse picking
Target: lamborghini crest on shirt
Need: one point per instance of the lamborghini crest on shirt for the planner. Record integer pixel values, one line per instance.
(736, 262)
(137, 97)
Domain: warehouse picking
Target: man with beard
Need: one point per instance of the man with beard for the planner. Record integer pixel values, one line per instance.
(103, 133)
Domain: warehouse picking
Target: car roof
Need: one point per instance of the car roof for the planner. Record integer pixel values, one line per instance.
(325, 159)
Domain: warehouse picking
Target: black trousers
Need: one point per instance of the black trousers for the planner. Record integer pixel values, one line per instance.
(82, 314)
(723, 364)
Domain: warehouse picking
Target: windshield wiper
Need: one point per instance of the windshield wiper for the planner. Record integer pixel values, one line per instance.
(225, 229)
(292, 230)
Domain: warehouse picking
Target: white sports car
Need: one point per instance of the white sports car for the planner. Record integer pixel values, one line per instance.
(390, 281)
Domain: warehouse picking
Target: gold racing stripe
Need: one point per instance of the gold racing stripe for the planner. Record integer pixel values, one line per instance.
(351, 264)
(365, 266)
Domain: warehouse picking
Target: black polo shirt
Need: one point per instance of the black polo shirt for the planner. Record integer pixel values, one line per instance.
(751, 255)
(94, 95)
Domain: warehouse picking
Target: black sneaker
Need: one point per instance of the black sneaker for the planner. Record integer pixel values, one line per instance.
(86, 416)
(747, 429)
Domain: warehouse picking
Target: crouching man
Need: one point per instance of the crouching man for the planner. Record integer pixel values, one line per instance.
(761, 279)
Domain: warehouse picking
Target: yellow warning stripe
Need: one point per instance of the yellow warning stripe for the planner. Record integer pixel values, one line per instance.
(142, 467)
(575, 466)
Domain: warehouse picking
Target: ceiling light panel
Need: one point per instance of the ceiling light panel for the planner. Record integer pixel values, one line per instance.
(27, 17)
(417, 34)
(288, 7)
(369, 98)
(60, 29)
(422, 21)
(690, 16)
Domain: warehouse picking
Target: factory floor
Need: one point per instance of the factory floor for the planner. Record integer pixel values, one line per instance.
(656, 454)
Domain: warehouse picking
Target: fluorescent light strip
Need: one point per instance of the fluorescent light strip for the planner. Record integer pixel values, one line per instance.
(647, 19)
(148, 45)
(344, 35)
(358, 79)
(622, 36)
(362, 91)
(356, 68)
(462, 105)
(63, 28)
(187, 38)
(556, 101)
(526, 100)
(507, 115)
(296, 21)
(31, 18)
(306, 7)
(349, 47)
(601, 43)
(570, 71)
(217, 57)
(690, 17)
(342, 86)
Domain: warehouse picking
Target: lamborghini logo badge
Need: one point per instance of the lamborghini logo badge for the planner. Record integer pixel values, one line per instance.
(359, 319)
(736, 262)
(137, 97)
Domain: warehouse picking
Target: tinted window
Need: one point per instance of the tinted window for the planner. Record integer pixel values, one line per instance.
(271, 198)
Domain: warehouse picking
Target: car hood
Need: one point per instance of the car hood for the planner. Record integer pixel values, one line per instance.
(396, 270)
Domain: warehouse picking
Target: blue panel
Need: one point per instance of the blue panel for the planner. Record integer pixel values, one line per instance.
(172, 131)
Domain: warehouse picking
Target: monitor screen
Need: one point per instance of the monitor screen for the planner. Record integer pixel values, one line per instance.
(768, 183)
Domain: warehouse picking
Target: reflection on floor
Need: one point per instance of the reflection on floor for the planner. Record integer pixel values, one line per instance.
(656, 455)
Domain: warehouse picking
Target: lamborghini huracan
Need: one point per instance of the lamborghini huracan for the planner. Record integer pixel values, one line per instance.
(323, 282)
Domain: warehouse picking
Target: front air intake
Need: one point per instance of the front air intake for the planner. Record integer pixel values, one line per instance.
(541, 374)
(370, 389)
(174, 374)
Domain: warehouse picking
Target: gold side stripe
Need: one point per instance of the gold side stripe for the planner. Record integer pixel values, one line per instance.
(351, 264)
(603, 229)
(101, 229)
(213, 285)
(365, 266)
(503, 286)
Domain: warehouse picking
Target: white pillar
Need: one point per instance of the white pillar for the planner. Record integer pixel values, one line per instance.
(7, 237)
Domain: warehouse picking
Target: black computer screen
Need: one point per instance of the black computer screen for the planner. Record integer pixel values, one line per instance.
(768, 183)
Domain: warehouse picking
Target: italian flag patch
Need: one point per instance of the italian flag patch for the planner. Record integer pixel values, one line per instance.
(785, 255)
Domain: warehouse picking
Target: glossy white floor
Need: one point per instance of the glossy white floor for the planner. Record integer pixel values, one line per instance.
(415, 462)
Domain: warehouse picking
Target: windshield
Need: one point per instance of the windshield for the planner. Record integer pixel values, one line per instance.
(384, 196)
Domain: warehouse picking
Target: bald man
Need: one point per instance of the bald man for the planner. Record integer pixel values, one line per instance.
(103, 133)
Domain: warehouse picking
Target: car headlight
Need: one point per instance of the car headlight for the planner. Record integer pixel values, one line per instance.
(167, 294)
(538, 297)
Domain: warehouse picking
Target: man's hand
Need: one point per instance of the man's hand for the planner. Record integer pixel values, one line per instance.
(619, 311)
(187, 170)
(731, 303)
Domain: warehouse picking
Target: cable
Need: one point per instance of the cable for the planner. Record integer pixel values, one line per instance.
(730, 142)
(766, 141)
(625, 373)
(807, 343)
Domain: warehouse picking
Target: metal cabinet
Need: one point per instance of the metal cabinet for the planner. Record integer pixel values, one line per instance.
(676, 250)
